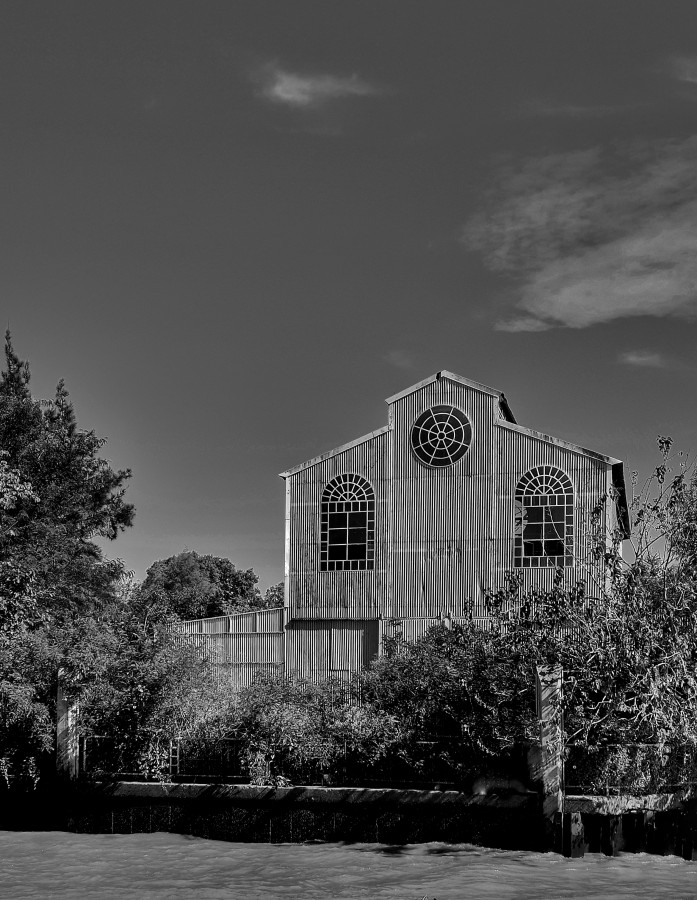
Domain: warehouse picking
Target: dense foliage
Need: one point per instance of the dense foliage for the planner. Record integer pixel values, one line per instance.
(194, 587)
(628, 653)
(295, 729)
(56, 496)
(64, 607)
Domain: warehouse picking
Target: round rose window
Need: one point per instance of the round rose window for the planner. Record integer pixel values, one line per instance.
(441, 436)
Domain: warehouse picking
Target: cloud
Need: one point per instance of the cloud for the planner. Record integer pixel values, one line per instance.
(550, 108)
(644, 358)
(309, 91)
(595, 235)
(684, 68)
(400, 359)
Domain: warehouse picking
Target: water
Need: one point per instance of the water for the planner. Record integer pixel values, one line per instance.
(61, 866)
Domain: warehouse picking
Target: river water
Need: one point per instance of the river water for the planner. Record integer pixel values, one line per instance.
(61, 866)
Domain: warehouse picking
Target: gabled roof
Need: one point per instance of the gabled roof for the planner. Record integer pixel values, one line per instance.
(437, 377)
(505, 409)
(329, 453)
(458, 379)
(567, 445)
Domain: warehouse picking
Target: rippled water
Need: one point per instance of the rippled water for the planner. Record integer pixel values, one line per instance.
(46, 865)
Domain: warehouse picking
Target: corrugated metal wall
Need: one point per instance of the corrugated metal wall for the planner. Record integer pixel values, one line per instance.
(442, 519)
(239, 623)
(330, 649)
(336, 595)
(591, 477)
(242, 645)
(443, 535)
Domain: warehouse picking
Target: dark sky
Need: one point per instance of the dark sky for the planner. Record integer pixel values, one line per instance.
(235, 228)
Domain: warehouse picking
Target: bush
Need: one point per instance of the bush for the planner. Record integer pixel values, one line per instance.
(293, 730)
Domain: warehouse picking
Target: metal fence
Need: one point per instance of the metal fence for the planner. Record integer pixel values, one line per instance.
(614, 769)
(433, 762)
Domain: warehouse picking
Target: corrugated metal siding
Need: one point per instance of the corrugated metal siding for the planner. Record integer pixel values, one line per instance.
(239, 623)
(591, 478)
(244, 648)
(242, 645)
(324, 649)
(241, 675)
(335, 595)
(443, 536)
(270, 619)
(441, 518)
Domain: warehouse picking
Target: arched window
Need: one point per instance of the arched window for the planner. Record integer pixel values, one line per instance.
(348, 524)
(544, 518)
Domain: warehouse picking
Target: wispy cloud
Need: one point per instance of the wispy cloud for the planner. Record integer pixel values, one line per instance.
(550, 108)
(684, 68)
(648, 359)
(400, 359)
(595, 235)
(309, 91)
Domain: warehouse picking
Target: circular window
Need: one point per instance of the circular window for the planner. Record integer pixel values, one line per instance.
(441, 436)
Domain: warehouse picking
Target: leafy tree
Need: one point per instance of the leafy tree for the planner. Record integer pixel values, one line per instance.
(138, 683)
(291, 728)
(274, 595)
(56, 496)
(75, 496)
(455, 682)
(194, 586)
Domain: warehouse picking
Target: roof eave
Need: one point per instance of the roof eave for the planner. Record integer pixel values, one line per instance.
(324, 456)
(567, 445)
(451, 376)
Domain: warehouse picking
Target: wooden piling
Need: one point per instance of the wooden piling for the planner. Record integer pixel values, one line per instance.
(546, 769)
(574, 838)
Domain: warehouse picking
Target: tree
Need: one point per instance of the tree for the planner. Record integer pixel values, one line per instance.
(194, 586)
(56, 495)
(75, 496)
(274, 595)
(455, 682)
(290, 728)
(139, 683)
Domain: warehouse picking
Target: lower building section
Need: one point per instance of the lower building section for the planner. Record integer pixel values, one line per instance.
(322, 649)
(245, 646)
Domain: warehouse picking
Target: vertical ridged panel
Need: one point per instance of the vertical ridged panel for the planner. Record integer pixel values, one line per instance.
(330, 648)
(270, 619)
(441, 517)
(331, 595)
(443, 536)
(590, 476)
(238, 623)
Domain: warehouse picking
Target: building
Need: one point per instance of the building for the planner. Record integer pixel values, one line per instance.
(411, 524)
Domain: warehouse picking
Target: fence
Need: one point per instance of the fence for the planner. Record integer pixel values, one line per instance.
(435, 761)
(616, 769)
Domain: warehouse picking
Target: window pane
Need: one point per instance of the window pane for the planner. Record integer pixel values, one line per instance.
(337, 536)
(356, 551)
(357, 536)
(357, 520)
(554, 548)
(337, 520)
(532, 548)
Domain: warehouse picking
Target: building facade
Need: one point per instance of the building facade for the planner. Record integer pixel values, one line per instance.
(412, 523)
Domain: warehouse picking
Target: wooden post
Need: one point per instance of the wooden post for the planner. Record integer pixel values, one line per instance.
(574, 835)
(611, 835)
(547, 768)
(67, 739)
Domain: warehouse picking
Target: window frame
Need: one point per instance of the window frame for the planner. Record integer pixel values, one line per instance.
(534, 491)
(347, 524)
